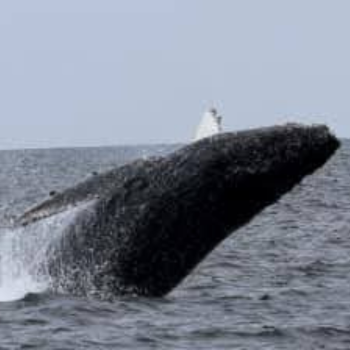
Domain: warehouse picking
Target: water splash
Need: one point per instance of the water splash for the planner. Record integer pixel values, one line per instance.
(23, 255)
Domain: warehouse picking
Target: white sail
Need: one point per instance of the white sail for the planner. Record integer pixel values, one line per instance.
(209, 125)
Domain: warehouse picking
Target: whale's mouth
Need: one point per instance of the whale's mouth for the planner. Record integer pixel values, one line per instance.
(24, 254)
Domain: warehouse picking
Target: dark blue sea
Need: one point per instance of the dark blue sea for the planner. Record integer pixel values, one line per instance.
(281, 282)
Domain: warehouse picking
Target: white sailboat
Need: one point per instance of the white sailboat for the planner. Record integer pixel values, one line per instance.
(209, 125)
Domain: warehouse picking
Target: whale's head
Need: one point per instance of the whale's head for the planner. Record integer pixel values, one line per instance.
(238, 174)
(151, 222)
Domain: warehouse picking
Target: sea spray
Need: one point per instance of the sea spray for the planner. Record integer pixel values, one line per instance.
(24, 255)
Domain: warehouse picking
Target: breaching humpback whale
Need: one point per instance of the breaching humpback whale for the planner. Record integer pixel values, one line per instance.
(144, 226)
(209, 125)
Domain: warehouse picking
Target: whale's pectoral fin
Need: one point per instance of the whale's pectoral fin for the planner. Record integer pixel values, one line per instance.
(125, 177)
(43, 211)
(58, 203)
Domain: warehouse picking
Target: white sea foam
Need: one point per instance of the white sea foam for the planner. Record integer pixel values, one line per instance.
(23, 253)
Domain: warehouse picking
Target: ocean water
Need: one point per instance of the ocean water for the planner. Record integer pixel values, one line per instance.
(281, 282)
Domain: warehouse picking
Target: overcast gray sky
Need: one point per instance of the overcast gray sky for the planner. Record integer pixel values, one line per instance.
(100, 72)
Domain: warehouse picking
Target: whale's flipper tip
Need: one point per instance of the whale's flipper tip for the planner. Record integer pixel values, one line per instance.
(211, 124)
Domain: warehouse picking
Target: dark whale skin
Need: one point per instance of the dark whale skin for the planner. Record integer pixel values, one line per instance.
(149, 223)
